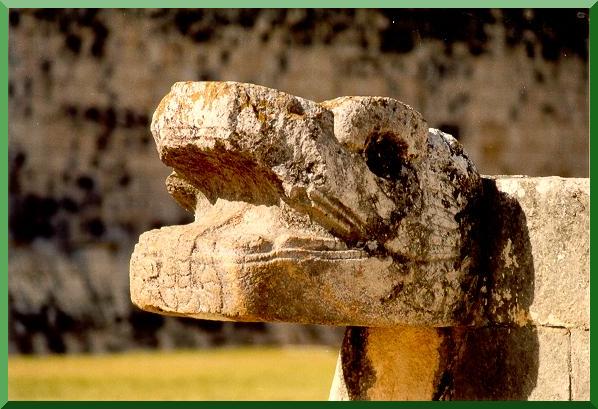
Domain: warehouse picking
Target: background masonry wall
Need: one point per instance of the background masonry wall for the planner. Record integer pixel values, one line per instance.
(85, 179)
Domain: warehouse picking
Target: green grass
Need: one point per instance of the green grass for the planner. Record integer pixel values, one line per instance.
(297, 373)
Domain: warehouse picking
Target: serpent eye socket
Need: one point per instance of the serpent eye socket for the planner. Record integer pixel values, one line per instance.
(385, 155)
(387, 133)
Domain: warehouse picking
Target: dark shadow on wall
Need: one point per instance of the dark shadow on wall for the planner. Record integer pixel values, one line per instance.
(496, 355)
(499, 361)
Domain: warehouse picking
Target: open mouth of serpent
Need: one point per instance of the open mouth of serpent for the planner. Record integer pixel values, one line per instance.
(245, 235)
(243, 215)
(234, 246)
(228, 232)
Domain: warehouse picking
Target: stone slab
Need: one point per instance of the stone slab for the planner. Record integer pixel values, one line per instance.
(580, 364)
(491, 363)
(538, 251)
(553, 381)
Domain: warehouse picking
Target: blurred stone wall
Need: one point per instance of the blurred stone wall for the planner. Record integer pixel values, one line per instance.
(85, 178)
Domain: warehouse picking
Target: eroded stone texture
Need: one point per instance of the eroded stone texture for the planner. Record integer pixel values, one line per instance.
(300, 217)
(348, 213)
(580, 364)
(530, 343)
(538, 254)
(415, 363)
(404, 363)
(487, 363)
(554, 376)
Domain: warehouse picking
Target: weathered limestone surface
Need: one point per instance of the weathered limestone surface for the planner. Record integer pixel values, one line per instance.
(488, 363)
(390, 364)
(533, 342)
(580, 364)
(540, 251)
(554, 372)
(348, 212)
(415, 363)
(351, 212)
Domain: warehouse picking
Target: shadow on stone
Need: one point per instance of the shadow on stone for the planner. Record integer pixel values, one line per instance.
(494, 355)
(499, 361)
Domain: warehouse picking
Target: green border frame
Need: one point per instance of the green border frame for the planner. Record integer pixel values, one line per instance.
(305, 3)
(4, 24)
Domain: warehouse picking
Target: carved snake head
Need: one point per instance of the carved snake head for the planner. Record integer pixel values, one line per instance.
(345, 212)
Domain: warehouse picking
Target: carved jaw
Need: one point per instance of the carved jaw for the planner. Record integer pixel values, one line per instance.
(246, 262)
(305, 212)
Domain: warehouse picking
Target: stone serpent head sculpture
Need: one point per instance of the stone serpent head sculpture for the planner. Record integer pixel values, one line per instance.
(345, 212)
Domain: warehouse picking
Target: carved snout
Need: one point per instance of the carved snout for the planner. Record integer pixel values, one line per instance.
(243, 142)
